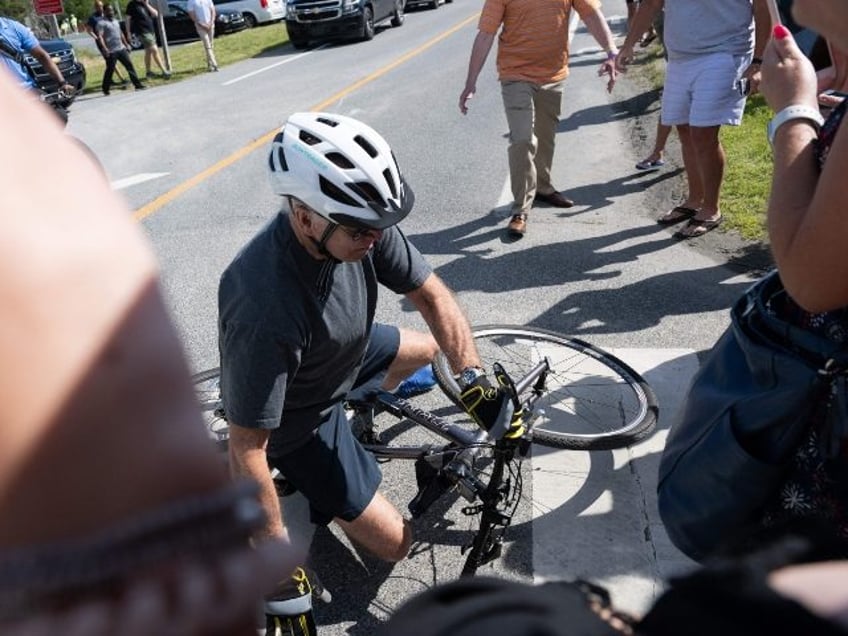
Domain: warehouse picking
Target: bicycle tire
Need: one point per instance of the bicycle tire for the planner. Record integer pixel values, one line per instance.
(594, 400)
(207, 388)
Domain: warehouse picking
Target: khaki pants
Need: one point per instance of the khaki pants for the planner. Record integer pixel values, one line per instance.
(207, 37)
(532, 114)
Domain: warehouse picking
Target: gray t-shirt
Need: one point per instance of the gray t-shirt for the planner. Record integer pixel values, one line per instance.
(110, 31)
(292, 330)
(698, 27)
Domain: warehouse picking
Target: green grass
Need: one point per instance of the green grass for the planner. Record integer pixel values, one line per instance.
(188, 60)
(747, 176)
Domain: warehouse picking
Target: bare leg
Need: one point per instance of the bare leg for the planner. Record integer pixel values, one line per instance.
(380, 529)
(695, 197)
(416, 349)
(710, 157)
(660, 142)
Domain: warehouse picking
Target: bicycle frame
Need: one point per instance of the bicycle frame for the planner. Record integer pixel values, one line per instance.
(452, 465)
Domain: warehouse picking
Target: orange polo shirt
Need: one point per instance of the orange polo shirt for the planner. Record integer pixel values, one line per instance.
(533, 43)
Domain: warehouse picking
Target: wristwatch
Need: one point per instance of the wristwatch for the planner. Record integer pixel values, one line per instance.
(468, 375)
(794, 111)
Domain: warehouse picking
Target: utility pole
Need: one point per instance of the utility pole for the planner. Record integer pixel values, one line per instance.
(161, 7)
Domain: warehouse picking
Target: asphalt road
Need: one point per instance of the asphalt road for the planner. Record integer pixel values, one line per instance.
(190, 159)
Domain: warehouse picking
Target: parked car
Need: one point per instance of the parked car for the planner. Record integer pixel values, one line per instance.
(308, 20)
(66, 59)
(179, 27)
(255, 11)
(430, 4)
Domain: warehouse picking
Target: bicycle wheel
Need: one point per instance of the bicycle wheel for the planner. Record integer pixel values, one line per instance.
(593, 400)
(207, 387)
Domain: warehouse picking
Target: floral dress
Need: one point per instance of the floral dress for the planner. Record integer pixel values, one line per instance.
(816, 485)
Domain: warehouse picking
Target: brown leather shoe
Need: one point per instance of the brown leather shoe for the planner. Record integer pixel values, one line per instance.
(517, 225)
(555, 199)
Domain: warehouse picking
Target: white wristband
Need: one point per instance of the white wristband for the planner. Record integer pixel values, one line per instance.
(793, 111)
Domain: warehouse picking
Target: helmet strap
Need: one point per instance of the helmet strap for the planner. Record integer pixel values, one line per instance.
(321, 244)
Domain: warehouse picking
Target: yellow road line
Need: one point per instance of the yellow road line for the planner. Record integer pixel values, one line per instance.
(156, 204)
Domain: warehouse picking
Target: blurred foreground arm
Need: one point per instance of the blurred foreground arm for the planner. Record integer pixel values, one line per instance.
(99, 423)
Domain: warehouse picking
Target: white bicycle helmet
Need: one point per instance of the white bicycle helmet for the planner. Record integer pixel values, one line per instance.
(341, 168)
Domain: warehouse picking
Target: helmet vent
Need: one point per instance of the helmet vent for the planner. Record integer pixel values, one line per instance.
(308, 138)
(387, 175)
(368, 192)
(367, 147)
(277, 156)
(336, 193)
(329, 122)
(340, 160)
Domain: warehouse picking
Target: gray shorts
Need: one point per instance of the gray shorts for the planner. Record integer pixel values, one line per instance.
(700, 91)
(336, 475)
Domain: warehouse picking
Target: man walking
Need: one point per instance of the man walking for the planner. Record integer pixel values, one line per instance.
(117, 48)
(91, 28)
(141, 16)
(711, 69)
(532, 66)
(203, 14)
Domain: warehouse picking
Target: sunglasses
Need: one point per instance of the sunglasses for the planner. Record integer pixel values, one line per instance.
(357, 234)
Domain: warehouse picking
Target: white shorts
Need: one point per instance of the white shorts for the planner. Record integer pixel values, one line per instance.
(701, 91)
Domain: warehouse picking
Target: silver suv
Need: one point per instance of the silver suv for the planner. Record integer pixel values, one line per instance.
(255, 11)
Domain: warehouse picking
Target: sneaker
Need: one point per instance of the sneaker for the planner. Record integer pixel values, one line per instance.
(288, 611)
(419, 382)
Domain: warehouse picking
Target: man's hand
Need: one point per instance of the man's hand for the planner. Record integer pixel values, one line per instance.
(483, 402)
(609, 68)
(487, 404)
(624, 57)
(467, 93)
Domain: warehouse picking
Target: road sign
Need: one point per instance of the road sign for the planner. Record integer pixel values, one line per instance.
(48, 7)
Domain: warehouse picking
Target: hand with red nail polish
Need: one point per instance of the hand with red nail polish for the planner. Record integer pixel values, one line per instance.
(788, 76)
(780, 32)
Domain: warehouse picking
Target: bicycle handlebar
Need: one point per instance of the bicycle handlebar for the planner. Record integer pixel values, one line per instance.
(536, 376)
(59, 93)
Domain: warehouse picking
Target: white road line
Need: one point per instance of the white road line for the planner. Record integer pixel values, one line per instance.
(274, 65)
(120, 184)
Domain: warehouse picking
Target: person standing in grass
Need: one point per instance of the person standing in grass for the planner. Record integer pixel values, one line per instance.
(714, 54)
(203, 14)
(141, 21)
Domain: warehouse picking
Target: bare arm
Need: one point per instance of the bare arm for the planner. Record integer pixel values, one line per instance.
(448, 324)
(85, 333)
(641, 22)
(806, 221)
(479, 53)
(247, 459)
(597, 25)
(762, 33)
